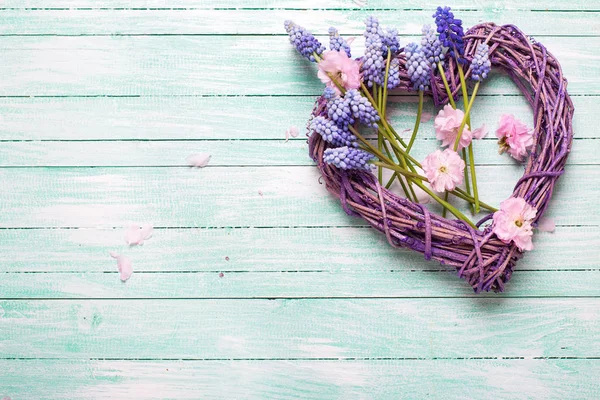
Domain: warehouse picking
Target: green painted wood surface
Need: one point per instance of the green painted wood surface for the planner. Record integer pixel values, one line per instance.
(102, 101)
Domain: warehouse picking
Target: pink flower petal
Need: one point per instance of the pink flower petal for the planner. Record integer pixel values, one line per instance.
(292, 131)
(123, 265)
(136, 234)
(426, 116)
(480, 132)
(546, 224)
(199, 160)
(337, 63)
(444, 169)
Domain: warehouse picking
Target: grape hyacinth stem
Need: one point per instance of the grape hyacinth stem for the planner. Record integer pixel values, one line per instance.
(417, 123)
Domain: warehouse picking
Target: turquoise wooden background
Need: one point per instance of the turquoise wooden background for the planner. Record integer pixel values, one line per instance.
(102, 101)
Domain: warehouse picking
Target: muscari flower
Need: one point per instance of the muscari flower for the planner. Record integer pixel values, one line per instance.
(417, 66)
(431, 45)
(337, 43)
(373, 62)
(361, 108)
(514, 137)
(451, 32)
(444, 169)
(346, 71)
(513, 222)
(394, 75)
(348, 158)
(303, 40)
(481, 64)
(329, 93)
(332, 133)
(389, 41)
(338, 110)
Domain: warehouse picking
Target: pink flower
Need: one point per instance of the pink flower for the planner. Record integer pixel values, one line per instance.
(344, 69)
(446, 126)
(513, 222)
(514, 137)
(444, 169)
(123, 265)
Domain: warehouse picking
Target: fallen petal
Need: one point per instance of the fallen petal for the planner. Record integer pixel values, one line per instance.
(480, 132)
(123, 265)
(546, 224)
(136, 234)
(199, 160)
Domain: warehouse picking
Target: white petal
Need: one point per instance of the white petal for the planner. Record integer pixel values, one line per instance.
(198, 160)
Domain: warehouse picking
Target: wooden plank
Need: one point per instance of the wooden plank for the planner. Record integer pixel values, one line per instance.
(225, 153)
(229, 196)
(270, 285)
(244, 21)
(312, 328)
(216, 65)
(332, 250)
(202, 118)
(404, 5)
(292, 379)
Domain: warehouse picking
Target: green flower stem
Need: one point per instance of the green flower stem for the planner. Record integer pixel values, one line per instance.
(448, 91)
(418, 182)
(417, 122)
(463, 84)
(406, 190)
(385, 83)
(466, 175)
(467, 112)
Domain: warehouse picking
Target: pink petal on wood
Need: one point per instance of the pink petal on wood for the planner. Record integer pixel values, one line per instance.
(198, 160)
(136, 234)
(426, 116)
(123, 265)
(546, 224)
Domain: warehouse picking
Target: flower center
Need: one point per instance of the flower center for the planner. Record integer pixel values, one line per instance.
(519, 223)
(443, 169)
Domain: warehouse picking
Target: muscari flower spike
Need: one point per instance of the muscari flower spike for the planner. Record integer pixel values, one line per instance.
(451, 32)
(338, 110)
(373, 61)
(329, 93)
(431, 45)
(304, 41)
(481, 64)
(389, 41)
(417, 66)
(332, 133)
(394, 76)
(337, 43)
(361, 108)
(347, 158)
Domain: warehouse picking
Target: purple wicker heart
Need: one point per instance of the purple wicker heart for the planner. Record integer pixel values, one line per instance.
(478, 255)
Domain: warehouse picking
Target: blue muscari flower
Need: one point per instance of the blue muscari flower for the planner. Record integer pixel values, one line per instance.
(347, 158)
(373, 62)
(451, 32)
(481, 64)
(417, 66)
(338, 110)
(332, 133)
(361, 108)
(389, 41)
(431, 45)
(329, 93)
(303, 40)
(394, 76)
(338, 43)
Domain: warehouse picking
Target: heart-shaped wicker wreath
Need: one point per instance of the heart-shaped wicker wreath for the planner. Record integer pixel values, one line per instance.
(478, 255)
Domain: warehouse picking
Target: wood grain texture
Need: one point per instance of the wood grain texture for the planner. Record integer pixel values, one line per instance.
(304, 328)
(215, 65)
(292, 379)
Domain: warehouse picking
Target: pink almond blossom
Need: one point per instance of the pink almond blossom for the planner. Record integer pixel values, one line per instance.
(513, 222)
(444, 169)
(343, 68)
(514, 137)
(446, 126)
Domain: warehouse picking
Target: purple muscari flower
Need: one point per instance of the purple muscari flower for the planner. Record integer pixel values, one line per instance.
(329, 93)
(338, 43)
(347, 158)
(431, 45)
(481, 65)
(304, 41)
(361, 108)
(451, 32)
(394, 76)
(389, 41)
(332, 133)
(417, 66)
(373, 62)
(338, 110)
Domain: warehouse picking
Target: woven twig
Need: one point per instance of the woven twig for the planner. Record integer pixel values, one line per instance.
(478, 256)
